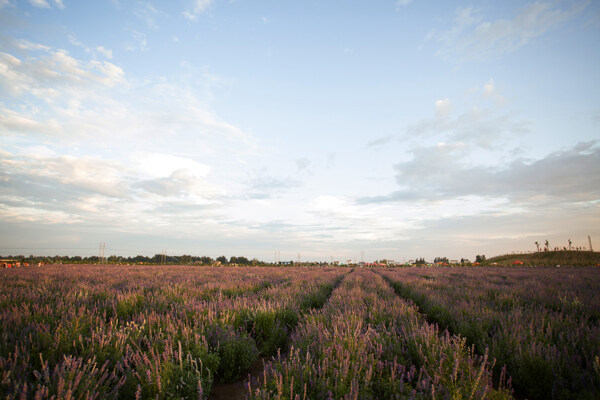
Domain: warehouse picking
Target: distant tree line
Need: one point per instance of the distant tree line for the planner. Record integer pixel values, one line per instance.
(185, 259)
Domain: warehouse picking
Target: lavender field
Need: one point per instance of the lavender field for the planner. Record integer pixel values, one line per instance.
(177, 332)
(542, 323)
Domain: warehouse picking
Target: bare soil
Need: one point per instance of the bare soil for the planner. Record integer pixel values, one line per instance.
(237, 390)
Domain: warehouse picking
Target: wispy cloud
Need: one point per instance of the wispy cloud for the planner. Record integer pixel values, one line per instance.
(402, 3)
(146, 12)
(198, 7)
(443, 107)
(39, 3)
(481, 124)
(139, 42)
(54, 69)
(94, 51)
(473, 37)
(45, 4)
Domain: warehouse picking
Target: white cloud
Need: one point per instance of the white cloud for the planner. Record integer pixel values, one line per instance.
(139, 42)
(105, 52)
(98, 50)
(157, 165)
(488, 88)
(147, 13)
(444, 172)
(473, 37)
(302, 164)
(39, 3)
(402, 3)
(478, 127)
(17, 123)
(71, 107)
(54, 71)
(443, 107)
(4, 3)
(32, 214)
(198, 7)
(24, 44)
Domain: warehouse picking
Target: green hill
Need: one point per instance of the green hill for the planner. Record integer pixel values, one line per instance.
(549, 258)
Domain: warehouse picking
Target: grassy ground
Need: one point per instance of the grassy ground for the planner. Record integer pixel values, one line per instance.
(549, 258)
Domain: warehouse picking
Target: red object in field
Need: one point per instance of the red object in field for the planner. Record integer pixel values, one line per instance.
(517, 262)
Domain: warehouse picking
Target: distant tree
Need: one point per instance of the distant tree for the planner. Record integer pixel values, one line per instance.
(222, 259)
(206, 260)
(547, 245)
(537, 244)
(570, 243)
(480, 258)
(441, 260)
(239, 260)
(420, 261)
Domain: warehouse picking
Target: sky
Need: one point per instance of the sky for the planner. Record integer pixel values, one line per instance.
(311, 130)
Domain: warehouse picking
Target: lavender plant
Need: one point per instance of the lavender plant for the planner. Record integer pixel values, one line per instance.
(127, 332)
(541, 323)
(368, 343)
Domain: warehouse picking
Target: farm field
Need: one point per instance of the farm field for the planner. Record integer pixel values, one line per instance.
(94, 332)
(542, 323)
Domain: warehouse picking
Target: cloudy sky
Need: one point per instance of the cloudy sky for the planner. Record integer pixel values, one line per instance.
(394, 129)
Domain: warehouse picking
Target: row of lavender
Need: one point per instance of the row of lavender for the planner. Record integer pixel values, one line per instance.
(368, 343)
(145, 332)
(543, 323)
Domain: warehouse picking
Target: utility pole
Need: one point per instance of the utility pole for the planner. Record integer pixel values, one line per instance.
(590, 242)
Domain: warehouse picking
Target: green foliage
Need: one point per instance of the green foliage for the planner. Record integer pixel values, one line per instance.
(129, 306)
(316, 299)
(270, 333)
(575, 258)
(237, 352)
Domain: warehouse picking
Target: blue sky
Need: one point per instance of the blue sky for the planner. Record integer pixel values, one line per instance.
(400, 129)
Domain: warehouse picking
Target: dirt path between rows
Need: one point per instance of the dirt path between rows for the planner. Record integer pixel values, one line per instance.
(238, 390)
